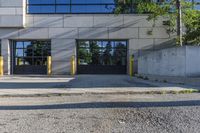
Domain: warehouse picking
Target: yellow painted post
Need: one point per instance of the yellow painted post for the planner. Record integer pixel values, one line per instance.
(19, 61)
(49, 65)
(1, 66)
(131, 66)
(73, 65)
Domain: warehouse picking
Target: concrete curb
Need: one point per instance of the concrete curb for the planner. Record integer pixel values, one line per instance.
(99, 92)
(194, 81)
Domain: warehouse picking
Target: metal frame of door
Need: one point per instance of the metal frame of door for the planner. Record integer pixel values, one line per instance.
(100, 69)
(26, 69)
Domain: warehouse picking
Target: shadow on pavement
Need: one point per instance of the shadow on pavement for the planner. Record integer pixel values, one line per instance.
(32, 85)
(79, 81)
(96, 105)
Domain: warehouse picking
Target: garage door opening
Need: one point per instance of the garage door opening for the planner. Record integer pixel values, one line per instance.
(30, 57)
(101, 56)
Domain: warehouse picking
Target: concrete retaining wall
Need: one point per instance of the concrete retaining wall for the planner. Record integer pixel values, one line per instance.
(178, 61)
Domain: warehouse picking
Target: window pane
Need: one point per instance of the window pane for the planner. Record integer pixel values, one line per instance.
(120, 45)
(64, 6)
(27, 44)
(99, 44)
(19, 52)
(38, 44)
(104, 44)
(119, 57)
(85, 56)
(107, 55)
(37, 52)
(38, 62)
(44, 61)
(62, 9)
(93, 8)
(62, 1)
(41, 1)
(41, 9)
(93, 1)
(84, 44)
(28, 61)
(28, 52)
(46, 52)
(102, 53)
(19, 61)
(19, 45)
(32, 52)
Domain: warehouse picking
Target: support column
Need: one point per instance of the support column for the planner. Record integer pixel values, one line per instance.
(5, 52)
(61, 51)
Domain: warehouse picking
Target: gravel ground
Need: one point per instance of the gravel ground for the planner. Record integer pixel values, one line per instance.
(101, 114)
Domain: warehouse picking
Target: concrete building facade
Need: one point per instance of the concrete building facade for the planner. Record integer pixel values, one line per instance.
(63, 32)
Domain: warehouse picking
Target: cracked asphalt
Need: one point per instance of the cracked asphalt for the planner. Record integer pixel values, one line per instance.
(87, 113)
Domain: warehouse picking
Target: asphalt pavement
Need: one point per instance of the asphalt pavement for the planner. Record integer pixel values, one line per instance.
(96, 104)
(89, 113)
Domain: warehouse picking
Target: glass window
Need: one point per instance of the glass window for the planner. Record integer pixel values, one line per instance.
(28, 61)
(84, 6)
(38, 61)
(41, 2)
(41, 9)
(102, 52)
(28, 52)
(19, 52)
(92, 8)
(120, 45)
(62, 9)
(32, 52)
(93, 2)
(19, 61)
(70, 6)
(62, 1)
(27, 44)
(19, 45)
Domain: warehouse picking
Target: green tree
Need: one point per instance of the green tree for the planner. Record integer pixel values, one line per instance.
(84, 54)
(192, 22)
(119, 54)
(95, 51)
(190, 16)
(107, 54)
(38, 50)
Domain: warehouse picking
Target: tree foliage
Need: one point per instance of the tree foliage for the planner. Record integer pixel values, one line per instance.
(190, 16)
(192, 23)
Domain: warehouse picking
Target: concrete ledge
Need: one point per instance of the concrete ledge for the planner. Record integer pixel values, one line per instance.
(194, 81)
(96, 91)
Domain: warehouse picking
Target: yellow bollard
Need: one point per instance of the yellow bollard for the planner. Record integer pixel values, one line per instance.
(73, 65)
(49, 65)
(131, 66)
(19, 61)
(1, 66)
